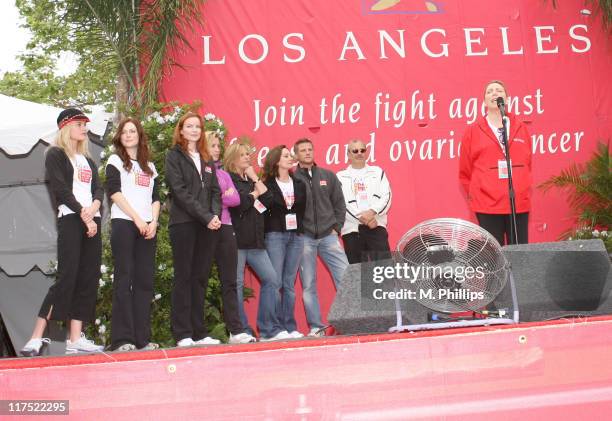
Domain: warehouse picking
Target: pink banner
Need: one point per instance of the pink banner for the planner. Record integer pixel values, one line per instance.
(406, 77)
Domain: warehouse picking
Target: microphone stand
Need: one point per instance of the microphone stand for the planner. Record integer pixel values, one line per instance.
(513, 229)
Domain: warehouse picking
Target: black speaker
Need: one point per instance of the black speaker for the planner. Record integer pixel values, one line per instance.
(355, 311)
(562, 279)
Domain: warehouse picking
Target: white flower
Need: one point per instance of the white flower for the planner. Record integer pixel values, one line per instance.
(161, 266)
(153, 116)
(102, 283)
(219, 122)
(604, 233)
(103, 268)
(168, 118)
(160, 120)
(112, 148)
(596, 233)
(102, 329)
(177, 109)
(209, 116)
(157, 296)
(160, 136)
(102, 154)
(97, 322)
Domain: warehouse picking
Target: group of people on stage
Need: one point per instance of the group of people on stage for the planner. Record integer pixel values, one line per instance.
(221, 210)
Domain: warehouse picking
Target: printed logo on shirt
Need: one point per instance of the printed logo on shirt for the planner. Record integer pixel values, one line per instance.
(83, 174)
(141, 178)
(516, 139)
(323, 183)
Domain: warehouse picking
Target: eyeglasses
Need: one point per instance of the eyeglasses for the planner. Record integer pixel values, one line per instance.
(356, 151)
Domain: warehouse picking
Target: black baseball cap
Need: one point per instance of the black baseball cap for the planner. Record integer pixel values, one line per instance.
(70, 114)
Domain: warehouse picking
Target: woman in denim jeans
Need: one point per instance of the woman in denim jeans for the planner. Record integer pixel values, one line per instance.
(284, 229)
(248, 222)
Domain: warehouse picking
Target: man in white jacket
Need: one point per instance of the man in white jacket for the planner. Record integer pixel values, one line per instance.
(367, 195)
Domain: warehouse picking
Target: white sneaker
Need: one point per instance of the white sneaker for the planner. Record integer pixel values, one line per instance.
(207, 341)
(296, 335)
(149, 347)
(241, 338)
(185, 342)
(34, 347)
(316, 332)
(126, 347)
(82, 345)
(280, 336)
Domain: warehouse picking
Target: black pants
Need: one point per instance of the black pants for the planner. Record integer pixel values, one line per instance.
(367, 244)
(499, 226)
(134, 259)
(227, 260)
(193, 248)
(73, 295)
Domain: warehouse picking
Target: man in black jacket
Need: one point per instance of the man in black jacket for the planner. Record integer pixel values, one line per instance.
(323, 220)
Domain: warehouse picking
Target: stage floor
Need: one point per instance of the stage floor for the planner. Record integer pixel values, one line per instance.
(546, 370)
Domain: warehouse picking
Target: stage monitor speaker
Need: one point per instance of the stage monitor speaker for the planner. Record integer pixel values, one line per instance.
(562, 279)
(353, 311)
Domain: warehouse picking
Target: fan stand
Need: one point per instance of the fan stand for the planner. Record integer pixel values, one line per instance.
(488, 321)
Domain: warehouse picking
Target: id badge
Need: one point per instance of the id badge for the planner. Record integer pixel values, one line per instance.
(362, 200)
(291, 221)
(502, 169)
(259, 206)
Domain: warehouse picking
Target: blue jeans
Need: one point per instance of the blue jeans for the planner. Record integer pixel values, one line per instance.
(334, 258)
(267, 320)
(285, 250)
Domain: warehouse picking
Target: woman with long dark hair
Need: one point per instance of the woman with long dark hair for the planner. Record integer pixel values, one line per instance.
(77, 196)
(195, 206)
(283, 227)
(132, 186)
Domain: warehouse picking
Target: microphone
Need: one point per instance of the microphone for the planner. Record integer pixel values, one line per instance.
(501, 105)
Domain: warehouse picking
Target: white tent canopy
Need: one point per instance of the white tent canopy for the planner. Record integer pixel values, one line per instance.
(24, 123)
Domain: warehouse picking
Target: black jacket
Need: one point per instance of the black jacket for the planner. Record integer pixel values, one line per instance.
(275, 215)
(325, 206)
(192, 198)
(248, 223)
(59, 173)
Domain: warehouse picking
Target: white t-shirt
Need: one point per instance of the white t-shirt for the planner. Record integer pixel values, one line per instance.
(288, 191)
(497, 132)
(196, 161)
(136, 187)
(81, 184)
(359, 187)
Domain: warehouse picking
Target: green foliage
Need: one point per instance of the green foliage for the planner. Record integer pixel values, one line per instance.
(589, 186)
(121, 46)
(91, 83)
(159, 127)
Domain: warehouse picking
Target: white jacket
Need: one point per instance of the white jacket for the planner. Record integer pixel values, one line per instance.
(379, 197)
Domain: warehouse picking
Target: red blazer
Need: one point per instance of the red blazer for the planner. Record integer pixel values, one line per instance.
(478, 168)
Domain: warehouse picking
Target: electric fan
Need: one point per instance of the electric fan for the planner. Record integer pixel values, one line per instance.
(457, 267)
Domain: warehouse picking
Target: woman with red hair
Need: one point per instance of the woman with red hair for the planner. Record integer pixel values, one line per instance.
(195, 208)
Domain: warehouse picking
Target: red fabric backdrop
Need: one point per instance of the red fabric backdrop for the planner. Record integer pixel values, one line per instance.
(265, 68)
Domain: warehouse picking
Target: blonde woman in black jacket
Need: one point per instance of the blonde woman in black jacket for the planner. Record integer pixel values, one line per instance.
(77, 196)
(195, 208)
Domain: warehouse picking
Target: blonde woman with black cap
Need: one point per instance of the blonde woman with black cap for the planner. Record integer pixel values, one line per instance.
(132, 185)
(77, 196)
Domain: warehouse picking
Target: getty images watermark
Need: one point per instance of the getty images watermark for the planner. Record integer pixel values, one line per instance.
(385, 282)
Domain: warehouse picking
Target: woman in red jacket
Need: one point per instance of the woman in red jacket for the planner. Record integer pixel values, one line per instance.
(483, 170)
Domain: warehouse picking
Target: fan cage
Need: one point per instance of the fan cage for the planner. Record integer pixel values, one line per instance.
(443, 243)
